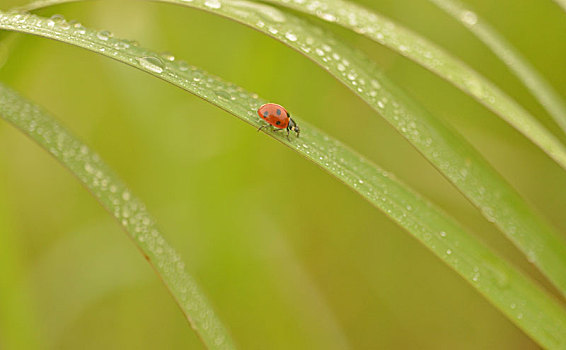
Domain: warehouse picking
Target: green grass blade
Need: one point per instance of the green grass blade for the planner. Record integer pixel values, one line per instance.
(518, 297)
(561, 3)
(438, 61)
(443, 147)
(124, 206)
(537, 85)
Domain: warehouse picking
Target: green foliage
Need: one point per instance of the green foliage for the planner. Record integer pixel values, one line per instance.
(536, 84)
(425, 53)
(443, 147)
(506, 288)
(524, 303)
(562, 3)
(123, 205)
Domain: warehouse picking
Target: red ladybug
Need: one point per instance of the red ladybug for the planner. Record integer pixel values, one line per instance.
(278, 117)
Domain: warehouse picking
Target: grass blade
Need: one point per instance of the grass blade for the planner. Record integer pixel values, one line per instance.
(537, 85)
(443, 147)
(126, 208)
(561, 3)
(438, 61)
(526, 304)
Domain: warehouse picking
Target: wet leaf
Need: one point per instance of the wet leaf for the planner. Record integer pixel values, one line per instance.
(528, 306)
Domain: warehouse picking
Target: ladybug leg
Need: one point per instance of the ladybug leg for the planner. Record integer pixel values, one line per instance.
(274, 130)
(261, 127)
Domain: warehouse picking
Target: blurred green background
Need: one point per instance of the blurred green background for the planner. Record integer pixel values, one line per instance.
(290, 258)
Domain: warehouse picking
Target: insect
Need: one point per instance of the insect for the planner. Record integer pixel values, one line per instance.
(278, 117)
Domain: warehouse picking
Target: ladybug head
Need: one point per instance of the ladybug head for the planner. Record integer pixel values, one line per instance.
(294, 127)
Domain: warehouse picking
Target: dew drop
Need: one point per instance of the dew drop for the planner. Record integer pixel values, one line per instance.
(168, 56)
(104, 35)
(121, 45)
(469, 18)
(152, 63)
(58, 18)
(291, 36)
(328, 17)
(213, 4)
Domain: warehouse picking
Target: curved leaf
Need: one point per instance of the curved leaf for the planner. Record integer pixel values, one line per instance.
(435, 59)
(561, 3)
(536, 84)
(443, 147)
(528, 306)
(124, 206)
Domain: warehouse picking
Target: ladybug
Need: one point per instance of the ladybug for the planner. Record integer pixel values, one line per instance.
(278, 117)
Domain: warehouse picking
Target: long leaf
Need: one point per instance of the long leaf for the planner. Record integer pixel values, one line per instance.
(443, 147)
(537, 85)
(561, 3)
(435, 59)
(432, 57)
(518, 297)
(124, 206)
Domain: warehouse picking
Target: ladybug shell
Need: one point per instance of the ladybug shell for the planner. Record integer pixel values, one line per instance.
(274, 114)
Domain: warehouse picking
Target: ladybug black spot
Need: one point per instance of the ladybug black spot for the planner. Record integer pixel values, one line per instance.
(278, 112)
(265, 114)
(278, 122)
